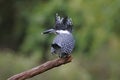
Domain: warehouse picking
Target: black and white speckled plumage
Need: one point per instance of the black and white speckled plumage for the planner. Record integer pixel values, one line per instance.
(66, 43)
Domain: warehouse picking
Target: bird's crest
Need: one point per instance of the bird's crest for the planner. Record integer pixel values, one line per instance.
(63, 23)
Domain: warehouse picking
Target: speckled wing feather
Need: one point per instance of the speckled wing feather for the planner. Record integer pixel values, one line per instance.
(66, 42)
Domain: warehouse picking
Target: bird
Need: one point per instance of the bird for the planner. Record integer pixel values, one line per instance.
(63, 43)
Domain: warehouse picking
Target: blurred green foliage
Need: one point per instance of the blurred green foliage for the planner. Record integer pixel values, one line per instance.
(96, 30)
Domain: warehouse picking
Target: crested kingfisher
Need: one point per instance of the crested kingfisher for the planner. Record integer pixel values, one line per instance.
(63, 42)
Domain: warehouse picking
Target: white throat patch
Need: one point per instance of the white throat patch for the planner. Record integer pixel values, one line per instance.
(62, 32)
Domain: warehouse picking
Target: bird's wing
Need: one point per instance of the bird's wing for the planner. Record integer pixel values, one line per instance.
(67, 44)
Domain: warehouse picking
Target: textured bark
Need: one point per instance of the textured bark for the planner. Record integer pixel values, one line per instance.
(41, 68)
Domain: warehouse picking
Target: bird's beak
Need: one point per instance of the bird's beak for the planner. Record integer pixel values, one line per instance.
(49, 31)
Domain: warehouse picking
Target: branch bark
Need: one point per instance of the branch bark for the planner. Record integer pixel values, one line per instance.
(41, 68)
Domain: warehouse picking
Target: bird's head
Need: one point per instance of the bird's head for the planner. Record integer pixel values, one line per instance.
(62, 26)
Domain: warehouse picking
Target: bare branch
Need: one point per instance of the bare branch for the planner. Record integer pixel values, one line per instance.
(41, 68)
